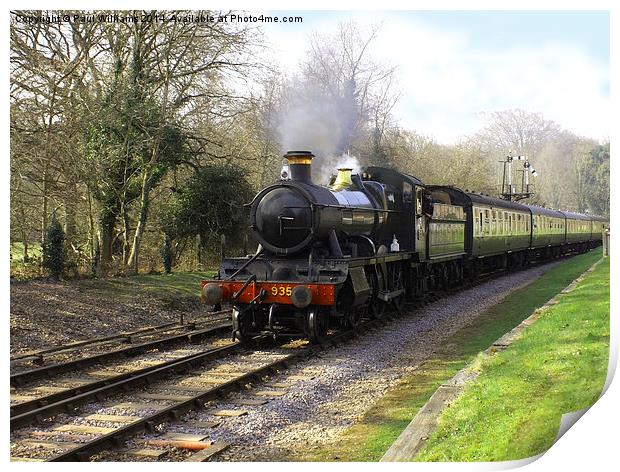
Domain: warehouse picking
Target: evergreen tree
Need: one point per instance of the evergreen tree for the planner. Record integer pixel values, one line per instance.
(54, 257)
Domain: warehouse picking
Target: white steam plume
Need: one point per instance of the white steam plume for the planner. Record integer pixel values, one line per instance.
(313, 121)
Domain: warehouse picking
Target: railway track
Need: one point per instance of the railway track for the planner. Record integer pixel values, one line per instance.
(46, 372)
(86, 426)
(41, 356)
(62, 398)
(200, 379)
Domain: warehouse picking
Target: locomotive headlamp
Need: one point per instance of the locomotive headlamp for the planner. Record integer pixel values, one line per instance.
(285, 173)
(212, 294)
(301, 296)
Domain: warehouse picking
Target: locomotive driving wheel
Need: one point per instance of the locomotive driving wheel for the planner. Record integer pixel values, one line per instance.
(396, 281)
(240, 326)
(377, 308)
(318, 323)
(354, 316)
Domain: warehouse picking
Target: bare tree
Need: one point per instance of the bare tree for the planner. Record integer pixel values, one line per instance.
(342, 95)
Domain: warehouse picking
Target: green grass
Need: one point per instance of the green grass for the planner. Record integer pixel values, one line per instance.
(368, 439)
(513, 409)
(171, 288)
(20, 269)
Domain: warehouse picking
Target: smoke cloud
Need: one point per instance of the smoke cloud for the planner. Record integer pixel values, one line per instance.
(313, 121)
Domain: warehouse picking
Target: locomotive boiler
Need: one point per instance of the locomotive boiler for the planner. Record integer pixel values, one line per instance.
(294, 215)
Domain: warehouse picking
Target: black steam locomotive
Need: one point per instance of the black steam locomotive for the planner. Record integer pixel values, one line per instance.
(329, 256)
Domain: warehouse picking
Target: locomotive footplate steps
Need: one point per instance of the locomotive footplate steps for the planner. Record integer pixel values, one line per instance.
(387, 296)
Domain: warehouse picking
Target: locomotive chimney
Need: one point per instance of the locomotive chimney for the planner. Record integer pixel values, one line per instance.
(300, 165)
(343, 179)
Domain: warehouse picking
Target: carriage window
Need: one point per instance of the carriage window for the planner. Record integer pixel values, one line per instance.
(407, 192)
(418, 204)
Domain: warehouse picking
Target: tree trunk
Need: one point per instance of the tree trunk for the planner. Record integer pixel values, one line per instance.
(93, 240)
(199, 251)
(137, 237)
(125, 216)
(70, 218)
(45, 205)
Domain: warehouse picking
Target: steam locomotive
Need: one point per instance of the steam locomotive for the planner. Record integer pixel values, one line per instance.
(329, 256)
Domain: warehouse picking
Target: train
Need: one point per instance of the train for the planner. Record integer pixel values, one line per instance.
(329, 256)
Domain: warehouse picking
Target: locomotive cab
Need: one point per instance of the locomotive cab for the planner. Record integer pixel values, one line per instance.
(406, 196)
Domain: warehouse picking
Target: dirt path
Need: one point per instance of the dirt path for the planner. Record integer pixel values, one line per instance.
(46, 313)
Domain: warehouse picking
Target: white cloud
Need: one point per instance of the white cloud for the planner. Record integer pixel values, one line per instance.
(446, 82)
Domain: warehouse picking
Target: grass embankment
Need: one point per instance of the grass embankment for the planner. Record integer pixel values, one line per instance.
(368, 439)
(170, 288)
(513, 409)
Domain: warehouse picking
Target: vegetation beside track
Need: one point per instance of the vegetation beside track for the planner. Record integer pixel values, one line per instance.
(513, 409)
(165, 287)
(46, 313)
(368, 439)
(169, 288)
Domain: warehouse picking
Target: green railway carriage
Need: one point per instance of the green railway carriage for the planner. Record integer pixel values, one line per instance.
(492, 226)
(548, 227)
(599, 224)
(499, 226)
(447, 223)
(446, 231)
(578, 227)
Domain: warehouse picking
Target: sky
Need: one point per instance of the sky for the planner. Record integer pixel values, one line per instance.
(452, 67)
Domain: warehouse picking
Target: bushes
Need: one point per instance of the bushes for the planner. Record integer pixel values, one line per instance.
(207, 207)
